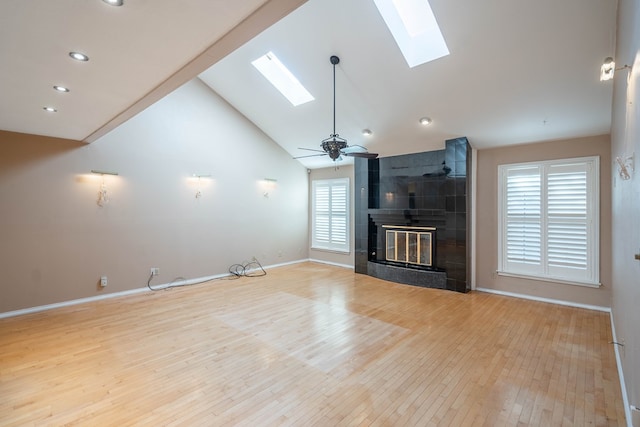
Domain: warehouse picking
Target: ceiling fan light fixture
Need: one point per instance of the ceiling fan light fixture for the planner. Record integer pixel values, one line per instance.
(334, 146)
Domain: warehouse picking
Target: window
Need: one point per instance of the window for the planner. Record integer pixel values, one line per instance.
(548, 220)
(330, 229)
(414, 28)
(282, 79)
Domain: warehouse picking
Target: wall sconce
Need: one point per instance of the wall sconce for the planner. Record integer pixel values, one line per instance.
(270, 183)
(103, 198)
(199, 192)
(626, 166)
(609, 68)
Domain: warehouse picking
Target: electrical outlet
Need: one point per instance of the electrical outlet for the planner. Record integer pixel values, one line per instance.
(155, 271)
(103, 281)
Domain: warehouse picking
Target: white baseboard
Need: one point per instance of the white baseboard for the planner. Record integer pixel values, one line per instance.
(187, 282)
(298, 261)
(549, 300)
(625, 398)
(71, 302)
(129, 292)
(319, 261)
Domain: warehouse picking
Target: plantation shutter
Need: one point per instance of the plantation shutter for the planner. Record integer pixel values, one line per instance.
(339, 214)
(549, 220)
(568, 221)
(322, 230)
(330, 214)
(524, 220)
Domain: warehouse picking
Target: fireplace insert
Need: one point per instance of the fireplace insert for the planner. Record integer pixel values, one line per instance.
(410, 245)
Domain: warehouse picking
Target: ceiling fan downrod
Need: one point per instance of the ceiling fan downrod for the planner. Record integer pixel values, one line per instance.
(334, 144)
(334, 60)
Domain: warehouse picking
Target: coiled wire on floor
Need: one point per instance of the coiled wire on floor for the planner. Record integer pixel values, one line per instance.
(247, 269)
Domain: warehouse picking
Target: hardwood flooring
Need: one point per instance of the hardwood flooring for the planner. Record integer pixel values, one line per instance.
(309, 345)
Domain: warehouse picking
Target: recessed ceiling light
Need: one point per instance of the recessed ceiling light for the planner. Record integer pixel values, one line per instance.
(367, 132)
(50, 109)
(283, 79)
(425, 121)
(79, 56)
(61, 88)
(114, 2)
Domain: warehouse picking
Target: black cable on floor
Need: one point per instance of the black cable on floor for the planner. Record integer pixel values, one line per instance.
(244, 269)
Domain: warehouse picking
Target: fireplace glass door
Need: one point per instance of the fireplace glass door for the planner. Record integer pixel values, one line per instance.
(407, 246)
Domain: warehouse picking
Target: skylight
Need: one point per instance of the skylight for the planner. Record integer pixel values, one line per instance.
(414, 28)
(283, 80)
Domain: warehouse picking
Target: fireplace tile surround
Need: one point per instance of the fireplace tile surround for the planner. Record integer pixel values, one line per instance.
(426, 190)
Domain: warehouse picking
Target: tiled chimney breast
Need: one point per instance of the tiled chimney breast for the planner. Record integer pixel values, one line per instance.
(416, 190)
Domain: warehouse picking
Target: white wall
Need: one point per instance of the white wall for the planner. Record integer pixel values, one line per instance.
(625, 140)
(57, 242)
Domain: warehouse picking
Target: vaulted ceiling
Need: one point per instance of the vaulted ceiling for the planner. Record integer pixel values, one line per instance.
(517, 71)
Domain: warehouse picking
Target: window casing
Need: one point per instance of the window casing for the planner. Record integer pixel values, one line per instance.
(549, 220)
(330, 208)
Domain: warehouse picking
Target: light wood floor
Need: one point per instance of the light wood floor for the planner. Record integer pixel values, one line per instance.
(309, 345)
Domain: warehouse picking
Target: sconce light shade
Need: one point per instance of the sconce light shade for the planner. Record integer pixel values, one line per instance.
(625, 166)
(97, 172)
(200, 176)
(269, 184)
(607, 69)
(103, 197)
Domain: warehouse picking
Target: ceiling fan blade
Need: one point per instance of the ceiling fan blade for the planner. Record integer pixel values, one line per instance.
(354, 149)
(311, 155)
(311, 149)
(363, 155)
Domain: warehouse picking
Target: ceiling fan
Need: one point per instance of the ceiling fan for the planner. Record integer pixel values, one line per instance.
(334, 146)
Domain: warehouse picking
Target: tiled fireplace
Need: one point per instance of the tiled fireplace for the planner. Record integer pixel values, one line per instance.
(412, 217)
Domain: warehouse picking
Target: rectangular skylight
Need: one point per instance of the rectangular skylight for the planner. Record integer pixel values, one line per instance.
(414, 28)
(283, 80)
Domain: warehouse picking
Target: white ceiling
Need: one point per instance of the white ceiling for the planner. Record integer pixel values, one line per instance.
(138, 53)
(519, 71)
